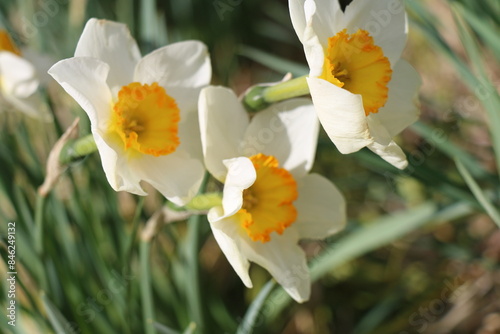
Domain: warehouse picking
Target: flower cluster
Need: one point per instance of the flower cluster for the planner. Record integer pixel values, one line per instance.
(155, 119)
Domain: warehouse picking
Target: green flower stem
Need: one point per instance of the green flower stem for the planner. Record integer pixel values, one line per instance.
(77, 149)
(260, 97)
(146, 288)
(194, 296)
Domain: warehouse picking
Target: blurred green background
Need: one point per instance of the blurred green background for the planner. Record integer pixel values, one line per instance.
(419, 254)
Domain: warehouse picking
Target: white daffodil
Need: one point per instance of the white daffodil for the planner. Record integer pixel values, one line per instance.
(362, 91)
(19, 81)
(269, 201)
(142, 110)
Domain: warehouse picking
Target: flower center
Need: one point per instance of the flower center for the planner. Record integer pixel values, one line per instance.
(267, 204)
(6, 43)
(146, 119)
(355, 63)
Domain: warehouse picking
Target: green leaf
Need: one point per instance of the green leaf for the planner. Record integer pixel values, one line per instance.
(275, 63)
(57, 320)
(254, 311)
(366, 239)
(450, 149)
(190, 329)
(162, 329)
(484, 28)
(480, 195)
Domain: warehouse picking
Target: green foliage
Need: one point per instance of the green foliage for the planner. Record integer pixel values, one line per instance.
(83, 264)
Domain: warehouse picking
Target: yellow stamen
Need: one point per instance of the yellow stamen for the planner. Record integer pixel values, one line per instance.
(355, 63)
(6, 43)
(146, 119)
(267, 204)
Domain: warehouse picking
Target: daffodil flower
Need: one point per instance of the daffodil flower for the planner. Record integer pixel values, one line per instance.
(362, 91)
(142, 110)
(19, 81)
(269, 200)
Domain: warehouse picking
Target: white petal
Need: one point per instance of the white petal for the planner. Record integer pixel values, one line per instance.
(321, 208)
(288, 131)
(177, 176)
(384, 146)
(391, 153)
(85, 80)
(385, 20)
(189, 135)
(400, 110)
(240, 176)
(112, 43)
(327, 19)
(32, 105)
(227, 233)
(285, 261)
(298, 17)
(342, 115)
(223, 122)
(116, 165)
(17, 75)
(182, 68)
(307, 30)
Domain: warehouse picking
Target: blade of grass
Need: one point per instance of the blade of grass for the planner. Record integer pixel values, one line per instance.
(56, 319)
(132, 239)
(486, 91)
(491, 100)
(38, 237)
(162, 329)
(190, 328)
(254, 311)
(419, 170)
(366, 239)
(275, 63)
(450, 149)
(480, 195)
(483, 28)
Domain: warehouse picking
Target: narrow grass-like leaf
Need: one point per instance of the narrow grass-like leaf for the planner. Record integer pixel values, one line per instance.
(483, 28)
(132, 238)
(450, 149)
(6, 328)
(275, 63)
(485, 91)
(254, 311)
(476, 190)
(480, 86)
(190, 329)
(380, 233)
(57, 320)
(419, 170)
(162, 329)
(377, 315)
(39, 210)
